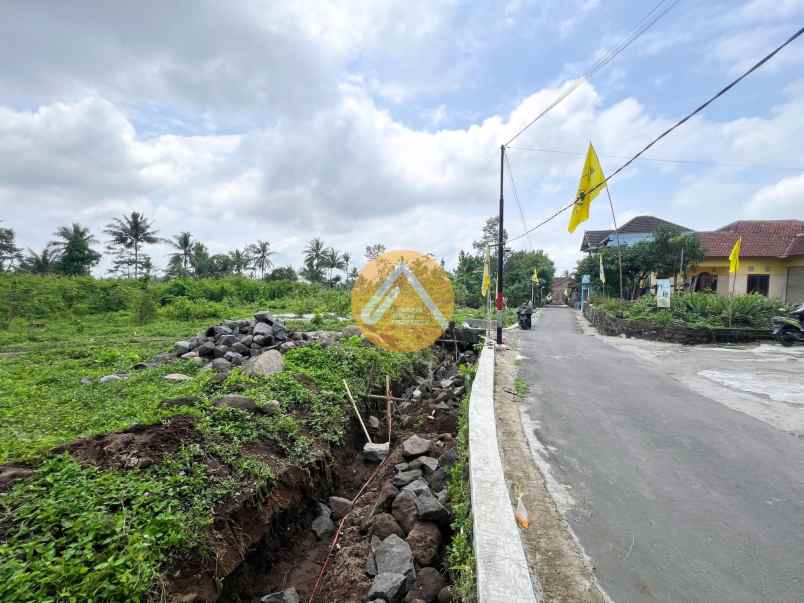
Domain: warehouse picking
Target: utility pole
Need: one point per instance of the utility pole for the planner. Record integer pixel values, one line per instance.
(500, 250)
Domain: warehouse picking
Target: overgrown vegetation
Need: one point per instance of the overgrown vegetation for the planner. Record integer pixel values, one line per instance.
(697, 309)
(461, 553)
(76, 531)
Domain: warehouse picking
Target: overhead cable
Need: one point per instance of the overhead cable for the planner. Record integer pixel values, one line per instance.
(607, 58)
(679, 123)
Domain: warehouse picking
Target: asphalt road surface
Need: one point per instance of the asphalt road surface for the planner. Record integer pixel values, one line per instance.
(674, 496)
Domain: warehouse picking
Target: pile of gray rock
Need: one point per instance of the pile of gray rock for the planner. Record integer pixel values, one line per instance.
(245, 342)
(409, 526)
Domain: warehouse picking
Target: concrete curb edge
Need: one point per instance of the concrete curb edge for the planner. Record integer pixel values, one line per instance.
(501, 566)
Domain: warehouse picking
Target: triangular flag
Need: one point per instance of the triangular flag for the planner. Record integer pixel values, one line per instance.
(734, 257)
(591, 183)
(484, 288)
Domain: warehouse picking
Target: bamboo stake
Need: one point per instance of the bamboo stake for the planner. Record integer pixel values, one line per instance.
(388, 406)
(357, 412)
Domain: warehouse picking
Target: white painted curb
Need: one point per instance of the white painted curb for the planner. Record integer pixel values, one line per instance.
(502, 570)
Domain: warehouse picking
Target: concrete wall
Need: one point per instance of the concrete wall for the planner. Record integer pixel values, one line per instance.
(775, 268)
(502, 569)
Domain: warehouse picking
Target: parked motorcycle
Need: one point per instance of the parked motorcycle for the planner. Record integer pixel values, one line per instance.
(523, 315)
(789, 330)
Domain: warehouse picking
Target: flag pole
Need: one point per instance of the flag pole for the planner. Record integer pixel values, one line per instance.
(617, 235)
(500, 245)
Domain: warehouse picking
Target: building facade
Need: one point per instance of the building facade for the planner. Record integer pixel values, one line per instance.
(771, 259)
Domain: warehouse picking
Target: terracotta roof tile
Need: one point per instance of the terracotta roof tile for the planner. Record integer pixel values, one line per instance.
(760, 238)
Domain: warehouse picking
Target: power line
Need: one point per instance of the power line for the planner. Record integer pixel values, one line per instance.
(607, 58)
(516, 196)
(679, 123)
(662, 160)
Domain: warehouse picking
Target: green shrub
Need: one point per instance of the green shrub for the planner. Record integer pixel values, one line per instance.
(700, 309)
(144, 307)
(185, 309)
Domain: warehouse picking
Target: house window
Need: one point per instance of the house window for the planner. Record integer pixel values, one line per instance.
(758, 283)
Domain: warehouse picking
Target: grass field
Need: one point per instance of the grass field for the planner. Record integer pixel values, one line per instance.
(76, 531)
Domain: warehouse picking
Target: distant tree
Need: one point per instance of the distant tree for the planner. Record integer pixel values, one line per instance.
(374, 251)
(240, 261)
(122, 262)
(489, 237)
(467, 280)
(260, 254)
(132, 232)
(286, 273)
(200, 259)
(9, 252)
(220, 265)
(347, 258)
(331, 260)
(39, 263)
(183, 244)
(146, 265)
(519, 267)
(73, 248)
(314, 255)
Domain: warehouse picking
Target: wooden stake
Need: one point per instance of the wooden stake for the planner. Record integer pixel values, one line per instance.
(388, 406)
(357, 412)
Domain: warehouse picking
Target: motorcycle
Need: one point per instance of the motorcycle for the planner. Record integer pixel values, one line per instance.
(789, 330)
(523, 315)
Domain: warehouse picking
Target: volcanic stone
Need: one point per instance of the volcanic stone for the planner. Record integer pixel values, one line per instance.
(424, 540)
(404, 510)
(415, 446)
(267, 363)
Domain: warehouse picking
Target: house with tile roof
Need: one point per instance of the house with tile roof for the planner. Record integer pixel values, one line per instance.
(771, 259)
(638, 229)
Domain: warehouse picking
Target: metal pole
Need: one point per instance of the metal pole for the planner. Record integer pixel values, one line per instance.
(617, 234)
(500, 245)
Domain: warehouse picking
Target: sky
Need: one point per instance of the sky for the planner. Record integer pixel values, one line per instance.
(365, 122)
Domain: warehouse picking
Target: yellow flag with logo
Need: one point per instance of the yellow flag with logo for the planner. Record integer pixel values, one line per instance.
(535, 276)
(588, 188)
(734, 257)
(484, 288)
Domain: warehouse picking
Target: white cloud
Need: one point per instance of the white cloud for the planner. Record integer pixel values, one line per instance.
(785, 199)
(309, 148)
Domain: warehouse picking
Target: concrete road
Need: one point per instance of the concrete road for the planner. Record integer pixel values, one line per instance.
(674, 495)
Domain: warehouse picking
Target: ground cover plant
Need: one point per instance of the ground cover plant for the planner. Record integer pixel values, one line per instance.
(696, 309)
(77, 530)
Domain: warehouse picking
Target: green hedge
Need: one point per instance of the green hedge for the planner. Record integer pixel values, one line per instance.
(37, 297)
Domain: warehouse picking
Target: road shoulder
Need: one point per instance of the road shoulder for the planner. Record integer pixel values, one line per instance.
(554, 556)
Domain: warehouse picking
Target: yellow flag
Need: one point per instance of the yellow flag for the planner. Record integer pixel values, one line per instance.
(591, 177)
(734, 258)
(535, 277)
(484, 288)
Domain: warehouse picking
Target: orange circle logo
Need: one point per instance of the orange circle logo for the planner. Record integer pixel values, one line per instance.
(402, 301)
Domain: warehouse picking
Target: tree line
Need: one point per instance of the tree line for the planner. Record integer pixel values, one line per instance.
(72, 252)
(668, 253)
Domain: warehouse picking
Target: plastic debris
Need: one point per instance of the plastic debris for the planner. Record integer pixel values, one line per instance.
(521, 514)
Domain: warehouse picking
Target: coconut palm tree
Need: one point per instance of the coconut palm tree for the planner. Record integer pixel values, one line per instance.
(331, 260)
(40, 263)
(183, 244)
(260, 254)
(132, 232)
(347, 259)
(72, 247)
(240, 261)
